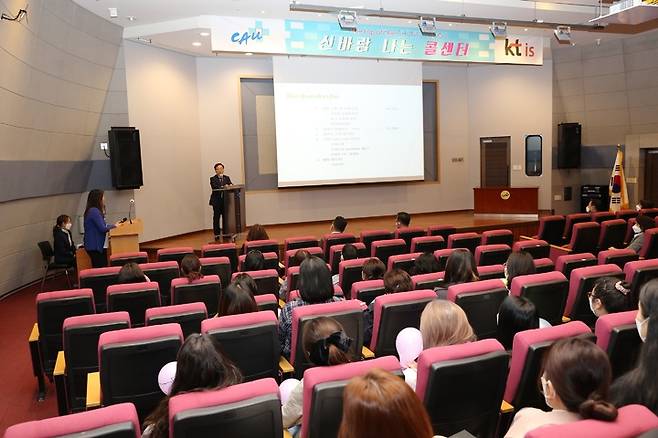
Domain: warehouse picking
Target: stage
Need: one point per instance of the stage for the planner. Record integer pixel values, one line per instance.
(464, 221)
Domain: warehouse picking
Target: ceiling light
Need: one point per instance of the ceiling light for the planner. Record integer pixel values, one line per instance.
(131, 18)
(113, 12)
(449, 24)
(196, 44)
(563, 34)
(525, 29)
(248, 54)
(538, 20)
(262, 12)
(347, 20)
(205, 34)
(427, 26)
(498, 29)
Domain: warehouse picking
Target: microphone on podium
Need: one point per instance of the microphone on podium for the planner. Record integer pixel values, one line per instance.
(130, 209)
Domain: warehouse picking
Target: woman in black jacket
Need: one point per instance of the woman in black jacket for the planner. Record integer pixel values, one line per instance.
(64, 246)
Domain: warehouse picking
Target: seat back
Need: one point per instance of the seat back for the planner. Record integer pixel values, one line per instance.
(495, 254)
(162, 273)
(498, 237)
(650, 247)
(271, 261)
(121, 259)
(394, 312)
(408, 233)
(251, 409)
(323, 394)
(118, 421)
(442, 256)
(491, 272)
(544, 265)
(462, 386)
(617, 257)
(480, 301)
(263, 246)
(188, 316)
(581, 283)
(348, 313)
(464, 240)
(585, 237)
(174, 254)
(206, 290)
(294, 243)
(133, 298)
(537, 248)
(617, 335)
(349, 272)
(46, 249)
(528, 350)
(551, 229)
(219, 266)
(427, 281)
(547, 291)
(267, 281)
(626, 214)
(80, 345)
(441, 230)
(336, 251)
(568, 262)
(427, 244)
(267, 302)
(383, 249)
(403, 261)
(222, 250)
(329, 240)
(613, 234)
(651, 212)
(632, 421)
(295, 295)
(98, 279)
(129, 363)
(571, 220)
(289, 256)
(603, 216)
(369, 236)
(367, 291)
(52, 309)
(250, 340)
(637, 274)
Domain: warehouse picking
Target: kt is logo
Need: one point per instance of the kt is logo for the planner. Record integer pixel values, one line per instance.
(518, 49)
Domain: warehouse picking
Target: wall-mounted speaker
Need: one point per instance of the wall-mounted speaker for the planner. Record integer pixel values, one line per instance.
(568, 145)
(125, 158)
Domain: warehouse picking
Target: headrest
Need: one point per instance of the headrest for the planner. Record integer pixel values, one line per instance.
(535, 279)
(401, 258)
(568, 258)
(543, 262)
(132, 287)
(446, 252)
(263, 273)
(474, 287)
(365, 285)
(427, 239)
(301, 239)
(578, 216)
(497, 233)
(240, 320)
(313, 250)
(62, 294)
(606, 323)
(408, 230)
(490, 248)
(631, 268)
(333, 236)
(603, 255)
(388, 242)
(421, 278)
(214, 261)
(585, 225)
(217, 247)
(96, 319)
(649, 240)
(613, 222)
(441, 227)
(551, 218)
(521, 244)
(158, 265)
(256, 243)
(206, 279)
(177, 250)
(97, 272)
(176, 309)
(128, 255)
(266, 298)
(351, 264)
(460, 236)
(491, 269)
(369, 233)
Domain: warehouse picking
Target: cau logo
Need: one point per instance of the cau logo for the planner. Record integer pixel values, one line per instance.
(255, 33)
(518, 49)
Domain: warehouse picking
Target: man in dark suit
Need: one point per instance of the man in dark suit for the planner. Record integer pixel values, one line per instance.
(218, 181)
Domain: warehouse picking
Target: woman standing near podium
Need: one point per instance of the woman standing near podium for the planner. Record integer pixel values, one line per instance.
(218, 181)
(96, 229)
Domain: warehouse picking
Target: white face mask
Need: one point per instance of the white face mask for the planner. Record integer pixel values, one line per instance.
(68, 225)
(591, 306)
(638, 207)
(639, 325)
(587, 209)
(637, 229)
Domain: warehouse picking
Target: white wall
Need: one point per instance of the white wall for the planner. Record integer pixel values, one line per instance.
(163, 104)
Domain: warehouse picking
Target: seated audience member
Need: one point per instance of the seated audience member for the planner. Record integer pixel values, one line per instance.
(518, 263)
(516, 314)
(460, 268)
(380, 405)
(642, 224)
(201, 366)
(131, 273)
(253, 261)
(640, 385)
(395, 280)
(644, 204)
(298, 258)
(575, 381)
(373, 269)
(442, 323)
(425, 264)
(314, 288)
(609, 295)
(325, 344)
(190, 267)
(402, 219)
(63, 244)
(594, 206)
(235, 300)
(256, 232)
(349, 252)
(338, 225)
(245, 282)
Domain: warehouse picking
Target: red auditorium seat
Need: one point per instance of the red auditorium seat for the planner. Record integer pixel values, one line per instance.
(538, 249)
(323, 393)
(266, 280)
(581, 283)
(544, 265)
(394, 312)
(250, 340)
(289, 255)
(348, 313)
(637, 274)
(603, 216)
(121, 259)
(163, 273)
(267, 302)
(491, 272)
(335, 254)
(464, 240)
(98, 279)
(547, 291)
(367, 290)
(551, 229)
(206, 290)
(222, 250)
(403, 261)
(617, 257)
(441, 230)
(409, 233)
(528, 350)
(188, 316)
(651, 212)
(219, 266)
(613, 234)
(462, 386)
(442, 256)
(349, 272)
(271, 261)
(383, 249)
(492, 254)
(584, 238)
(174, 254)
(427, 244)
(498, 237)
(427, 281)
(369, 236)
(294, 243)
(626, 214)
(650, 247)
(251, 409)
(133, 298)
(329, 240)
(571, 220)
(567, 263)
(480, 301)
(263, 246)
(118, 421)
(617, 335)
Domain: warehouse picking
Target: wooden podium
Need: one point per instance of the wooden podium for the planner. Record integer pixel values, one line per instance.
(125, 238)
(505, 200)
(233, 219)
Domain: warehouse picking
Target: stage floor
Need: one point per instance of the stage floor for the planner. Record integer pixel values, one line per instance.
(464, 221)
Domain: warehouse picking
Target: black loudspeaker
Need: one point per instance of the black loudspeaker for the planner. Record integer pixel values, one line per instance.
(125, 158)
(568, 145)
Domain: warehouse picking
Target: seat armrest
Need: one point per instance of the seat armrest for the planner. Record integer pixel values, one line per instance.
(280, 281)
(282, 303)
(366, 353)
(35, 356)
(93, 390)
(286, 434)
(522, 237)
(281, 266)
(60, 364)
(34, 334)
(284, 366)
(59, 376)
(565, 319)
(506, 408)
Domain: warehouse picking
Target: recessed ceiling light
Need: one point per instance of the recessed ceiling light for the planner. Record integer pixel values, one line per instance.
(262, 12)
(450, 24)
(248, 54)
(408, 21)
(205, 34)
(196, 44)
(131, 18)
(525, 29)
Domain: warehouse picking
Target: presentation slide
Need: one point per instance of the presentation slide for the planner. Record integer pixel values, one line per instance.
(347, 121)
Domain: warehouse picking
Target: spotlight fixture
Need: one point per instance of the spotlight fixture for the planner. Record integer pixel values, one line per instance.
(563, 34)
(248, 54)
(205, 34)
(196, 44)
(427, 26)
(347, 20)
(498, 29)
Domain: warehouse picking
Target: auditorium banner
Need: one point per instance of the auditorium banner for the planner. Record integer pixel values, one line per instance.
(326, 38)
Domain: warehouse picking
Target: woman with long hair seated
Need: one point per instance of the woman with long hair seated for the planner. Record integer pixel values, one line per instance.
(460, 268)
(609, 295)
(190, 267)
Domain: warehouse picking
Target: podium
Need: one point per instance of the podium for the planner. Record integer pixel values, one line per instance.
(233, 217)
(125, 238)
(505, 200)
